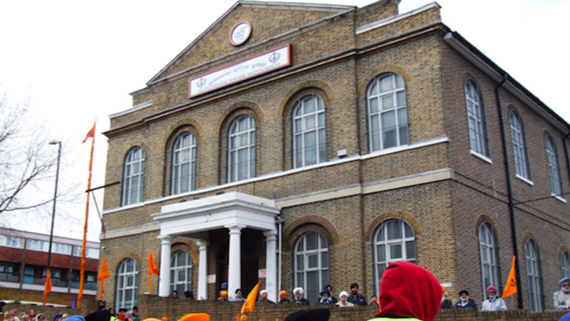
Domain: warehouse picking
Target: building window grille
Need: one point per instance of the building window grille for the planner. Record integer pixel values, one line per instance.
(534, 277)
(241, 149)
(311, 263)
(490, 264)
(180, 272)
(127, 282)
(478, 139)
(183, 163)
(565, 264)
(133, 175)
(553, 167)
(520, 151)
(309, 132)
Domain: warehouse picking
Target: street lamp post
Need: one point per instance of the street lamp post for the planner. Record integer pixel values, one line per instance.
(54, 199)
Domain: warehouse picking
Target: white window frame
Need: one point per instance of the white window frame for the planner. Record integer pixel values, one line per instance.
(303, 271)
(520, 151)
(241, 149)
(386, 104)
(178, 283)
(36, 245)
(307, 124)
(128, 271)
(476, 119)
(553, 167)
(565, 264)
(534, 276)
(490, 260)
(12, 241)
(133, 176)
(183, 159)
(380, 240)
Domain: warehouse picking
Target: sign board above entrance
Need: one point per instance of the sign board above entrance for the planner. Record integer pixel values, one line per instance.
(258, 65)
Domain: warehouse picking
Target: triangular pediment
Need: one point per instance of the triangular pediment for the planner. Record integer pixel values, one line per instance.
(268, 20)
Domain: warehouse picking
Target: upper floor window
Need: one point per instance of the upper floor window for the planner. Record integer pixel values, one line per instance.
(553, 167)
(387, 112)
(180, 272)
(394, 240)
(133, 175)
(309, 132)
(241, 149)
(565, 264)
(36, 245)
(534, 277)
(490, 264)
(520, 151)
(311, 263)
(476, 121)
(61, 248)
(126, 284)
(183, 163)
(12, 241)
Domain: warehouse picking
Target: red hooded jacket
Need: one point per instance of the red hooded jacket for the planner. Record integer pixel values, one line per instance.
(409, 291)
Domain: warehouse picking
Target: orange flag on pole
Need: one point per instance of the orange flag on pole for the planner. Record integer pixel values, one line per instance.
(90, 133)
(103, 274)
(249, 303)
(151, 269)
(511, 286)
(47, 287)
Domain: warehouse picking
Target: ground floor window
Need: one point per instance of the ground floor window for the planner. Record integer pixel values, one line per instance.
(127, 281)
(311, 263)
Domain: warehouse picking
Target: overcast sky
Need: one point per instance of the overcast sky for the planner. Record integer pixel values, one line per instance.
(77, 61)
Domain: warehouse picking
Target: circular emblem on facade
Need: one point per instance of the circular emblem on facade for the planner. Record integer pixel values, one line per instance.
(240, 33)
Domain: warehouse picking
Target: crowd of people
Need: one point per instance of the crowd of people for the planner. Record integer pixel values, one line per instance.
(399, 297)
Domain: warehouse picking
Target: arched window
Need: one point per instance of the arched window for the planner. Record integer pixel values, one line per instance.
(180, 272)
(387, 112)
(520, 152)
(309, 132)
(241, 149)
(127, 282)
(565, 264)
(394, 240)
(311, 263)
(133, 176)
(534, 276)
(490, 264)
(476, 121)
(553, 167)
(183, 163)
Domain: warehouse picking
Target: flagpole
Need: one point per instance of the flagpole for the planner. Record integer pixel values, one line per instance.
(82, 271)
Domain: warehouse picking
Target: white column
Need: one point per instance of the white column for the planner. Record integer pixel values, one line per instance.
(164, 280)
(271, 265)
(203, 271)
(234, 268)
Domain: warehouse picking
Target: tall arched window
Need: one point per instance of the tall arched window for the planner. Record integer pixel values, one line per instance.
(387, 112)
(127, 282)
(394, 240)
(309, 132)
(534, 276)
(180, 272)
(241, 149)
(133, 176)
(565, 264)
(183, 163)
(311, 263)
(553, 166)
(520, 152)
(490, 264)
(476, 118)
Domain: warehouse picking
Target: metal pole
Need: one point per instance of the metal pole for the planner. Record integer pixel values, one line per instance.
(54, 200)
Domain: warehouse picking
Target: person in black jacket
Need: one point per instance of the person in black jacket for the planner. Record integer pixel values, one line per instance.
(355, 297)
(465, 302)
(298, 295)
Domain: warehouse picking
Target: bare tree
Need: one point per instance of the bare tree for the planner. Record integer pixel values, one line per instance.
(25, 159)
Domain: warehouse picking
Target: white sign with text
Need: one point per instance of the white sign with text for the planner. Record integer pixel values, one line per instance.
(264, 63)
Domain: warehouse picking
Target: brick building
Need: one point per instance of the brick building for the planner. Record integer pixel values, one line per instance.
(23, 265)
(306, 144)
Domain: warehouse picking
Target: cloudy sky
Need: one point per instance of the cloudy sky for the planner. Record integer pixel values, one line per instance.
(77, 61)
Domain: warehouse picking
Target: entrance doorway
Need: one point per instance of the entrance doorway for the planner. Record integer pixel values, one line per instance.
(249, 265)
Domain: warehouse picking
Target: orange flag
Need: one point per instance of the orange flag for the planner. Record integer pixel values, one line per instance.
(250, 301)
(90, 133)
(511, 286)
(47, 287)
(103, 274)
(151, 270)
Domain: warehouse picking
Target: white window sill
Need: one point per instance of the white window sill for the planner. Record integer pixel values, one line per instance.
(529, 182)
(482, 157)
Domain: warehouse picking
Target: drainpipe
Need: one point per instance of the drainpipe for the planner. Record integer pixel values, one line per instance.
(280, 221)
(509, 189)
(566, 154)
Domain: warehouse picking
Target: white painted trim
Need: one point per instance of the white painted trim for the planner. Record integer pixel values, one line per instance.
(560, 198)
(529, 182)
(392, 19)
(332, 162)
(481, 156)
